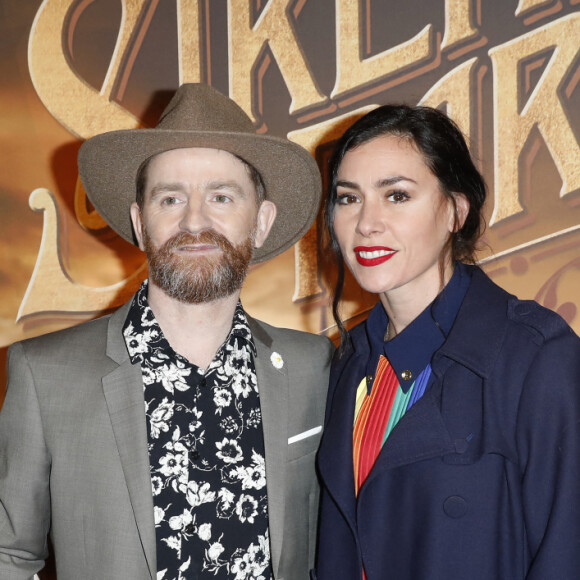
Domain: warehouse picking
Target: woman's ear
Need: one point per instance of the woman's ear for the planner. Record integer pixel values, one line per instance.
(461, 211)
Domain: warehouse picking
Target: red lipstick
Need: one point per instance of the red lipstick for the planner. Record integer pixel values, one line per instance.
(373, 255)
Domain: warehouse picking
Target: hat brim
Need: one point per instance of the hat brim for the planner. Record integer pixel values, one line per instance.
(108, 165)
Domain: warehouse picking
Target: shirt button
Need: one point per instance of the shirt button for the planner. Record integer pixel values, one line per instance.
(369, 379)
(195, 455)
(188, 529)
(406, 375)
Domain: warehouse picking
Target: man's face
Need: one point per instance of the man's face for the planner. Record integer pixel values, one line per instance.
(199, 223)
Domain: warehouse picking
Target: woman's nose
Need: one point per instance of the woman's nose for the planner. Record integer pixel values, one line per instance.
(370, 219)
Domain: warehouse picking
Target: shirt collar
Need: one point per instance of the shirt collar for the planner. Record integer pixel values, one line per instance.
(411, 351)
(141, 327)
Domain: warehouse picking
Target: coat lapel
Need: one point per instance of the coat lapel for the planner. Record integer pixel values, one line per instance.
(123, 389)
(273, 387)
(335, 457)
(420, 434)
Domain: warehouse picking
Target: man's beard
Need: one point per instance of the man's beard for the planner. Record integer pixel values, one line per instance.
(195, 279)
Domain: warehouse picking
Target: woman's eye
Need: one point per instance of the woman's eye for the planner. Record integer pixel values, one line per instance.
(398, 197)
(346, 199)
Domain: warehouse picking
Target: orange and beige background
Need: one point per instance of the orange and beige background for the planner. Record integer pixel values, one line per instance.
(507, 71)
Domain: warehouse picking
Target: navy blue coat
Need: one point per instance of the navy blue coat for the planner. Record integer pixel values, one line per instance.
(480, 479)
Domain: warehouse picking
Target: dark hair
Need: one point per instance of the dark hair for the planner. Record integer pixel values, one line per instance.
(253, 173)
(445, 152)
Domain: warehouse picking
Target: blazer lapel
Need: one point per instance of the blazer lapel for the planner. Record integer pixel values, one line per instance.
(273, 387)
(123, 389)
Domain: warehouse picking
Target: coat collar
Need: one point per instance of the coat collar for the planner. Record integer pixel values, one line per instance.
(485, 306)
(471, 343)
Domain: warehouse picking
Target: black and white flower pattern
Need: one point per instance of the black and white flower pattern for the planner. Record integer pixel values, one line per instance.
(206, 450)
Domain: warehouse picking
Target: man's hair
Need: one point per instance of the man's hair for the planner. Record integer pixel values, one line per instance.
(253, 173)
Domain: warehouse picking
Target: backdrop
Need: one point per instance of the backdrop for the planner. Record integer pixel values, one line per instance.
(507, 71)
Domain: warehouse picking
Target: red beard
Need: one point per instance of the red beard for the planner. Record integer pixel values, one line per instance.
(197, 279)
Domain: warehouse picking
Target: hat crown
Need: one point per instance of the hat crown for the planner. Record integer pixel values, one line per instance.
(198, 107)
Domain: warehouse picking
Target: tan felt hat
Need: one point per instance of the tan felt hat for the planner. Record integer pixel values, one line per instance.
(200, 116)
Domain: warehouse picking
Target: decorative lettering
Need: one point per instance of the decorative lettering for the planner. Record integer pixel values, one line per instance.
(454, 89)
(189, 41)
(458, 23)
(307, 281)
(526, 5)
(51, 288)
(83, 110)
(246, 44)
(542, 109)
(352, 70)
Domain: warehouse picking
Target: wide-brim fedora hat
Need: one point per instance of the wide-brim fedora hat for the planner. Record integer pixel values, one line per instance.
(200, 116)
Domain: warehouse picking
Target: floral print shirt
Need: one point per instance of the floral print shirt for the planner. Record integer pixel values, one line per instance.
(206, 451)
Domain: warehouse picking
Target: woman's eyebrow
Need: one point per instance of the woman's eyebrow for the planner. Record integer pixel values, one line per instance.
(385, 182)
(347, 184)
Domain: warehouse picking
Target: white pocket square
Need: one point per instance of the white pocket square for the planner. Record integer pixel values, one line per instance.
(304, 434)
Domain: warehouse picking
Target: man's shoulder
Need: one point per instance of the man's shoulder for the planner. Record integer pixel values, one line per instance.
(307, 343)
(84, 337)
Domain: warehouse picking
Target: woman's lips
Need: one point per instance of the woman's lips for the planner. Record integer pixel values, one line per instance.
(373, 256)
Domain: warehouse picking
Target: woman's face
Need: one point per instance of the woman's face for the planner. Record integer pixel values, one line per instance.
(392, 220)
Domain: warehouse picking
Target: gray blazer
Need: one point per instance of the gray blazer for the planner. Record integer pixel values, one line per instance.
(74, 459)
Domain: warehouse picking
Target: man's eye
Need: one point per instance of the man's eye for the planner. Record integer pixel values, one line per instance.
(346, 199)
(169, 201)
(222, 198)
(398, 196)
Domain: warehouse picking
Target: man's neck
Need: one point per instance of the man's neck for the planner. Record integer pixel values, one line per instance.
(195, 331)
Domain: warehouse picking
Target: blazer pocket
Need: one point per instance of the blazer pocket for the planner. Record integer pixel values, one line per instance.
(304, 443)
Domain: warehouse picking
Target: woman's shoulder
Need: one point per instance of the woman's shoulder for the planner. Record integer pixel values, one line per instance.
(527, 313)
(537, 317)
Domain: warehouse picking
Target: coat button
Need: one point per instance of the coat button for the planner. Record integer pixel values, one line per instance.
(406, 375)
(455, 507)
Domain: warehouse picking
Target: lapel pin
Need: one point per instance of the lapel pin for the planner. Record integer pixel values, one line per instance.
(277, 361)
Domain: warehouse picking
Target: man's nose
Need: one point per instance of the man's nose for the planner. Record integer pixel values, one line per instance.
(195, 217)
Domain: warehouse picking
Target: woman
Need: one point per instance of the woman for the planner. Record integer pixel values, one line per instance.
(451, 447)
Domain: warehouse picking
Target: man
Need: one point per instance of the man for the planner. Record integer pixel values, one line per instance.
(176, 437)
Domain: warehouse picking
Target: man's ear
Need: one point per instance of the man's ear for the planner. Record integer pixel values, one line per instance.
(461, 211)
(137, 220)
(264, 222)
